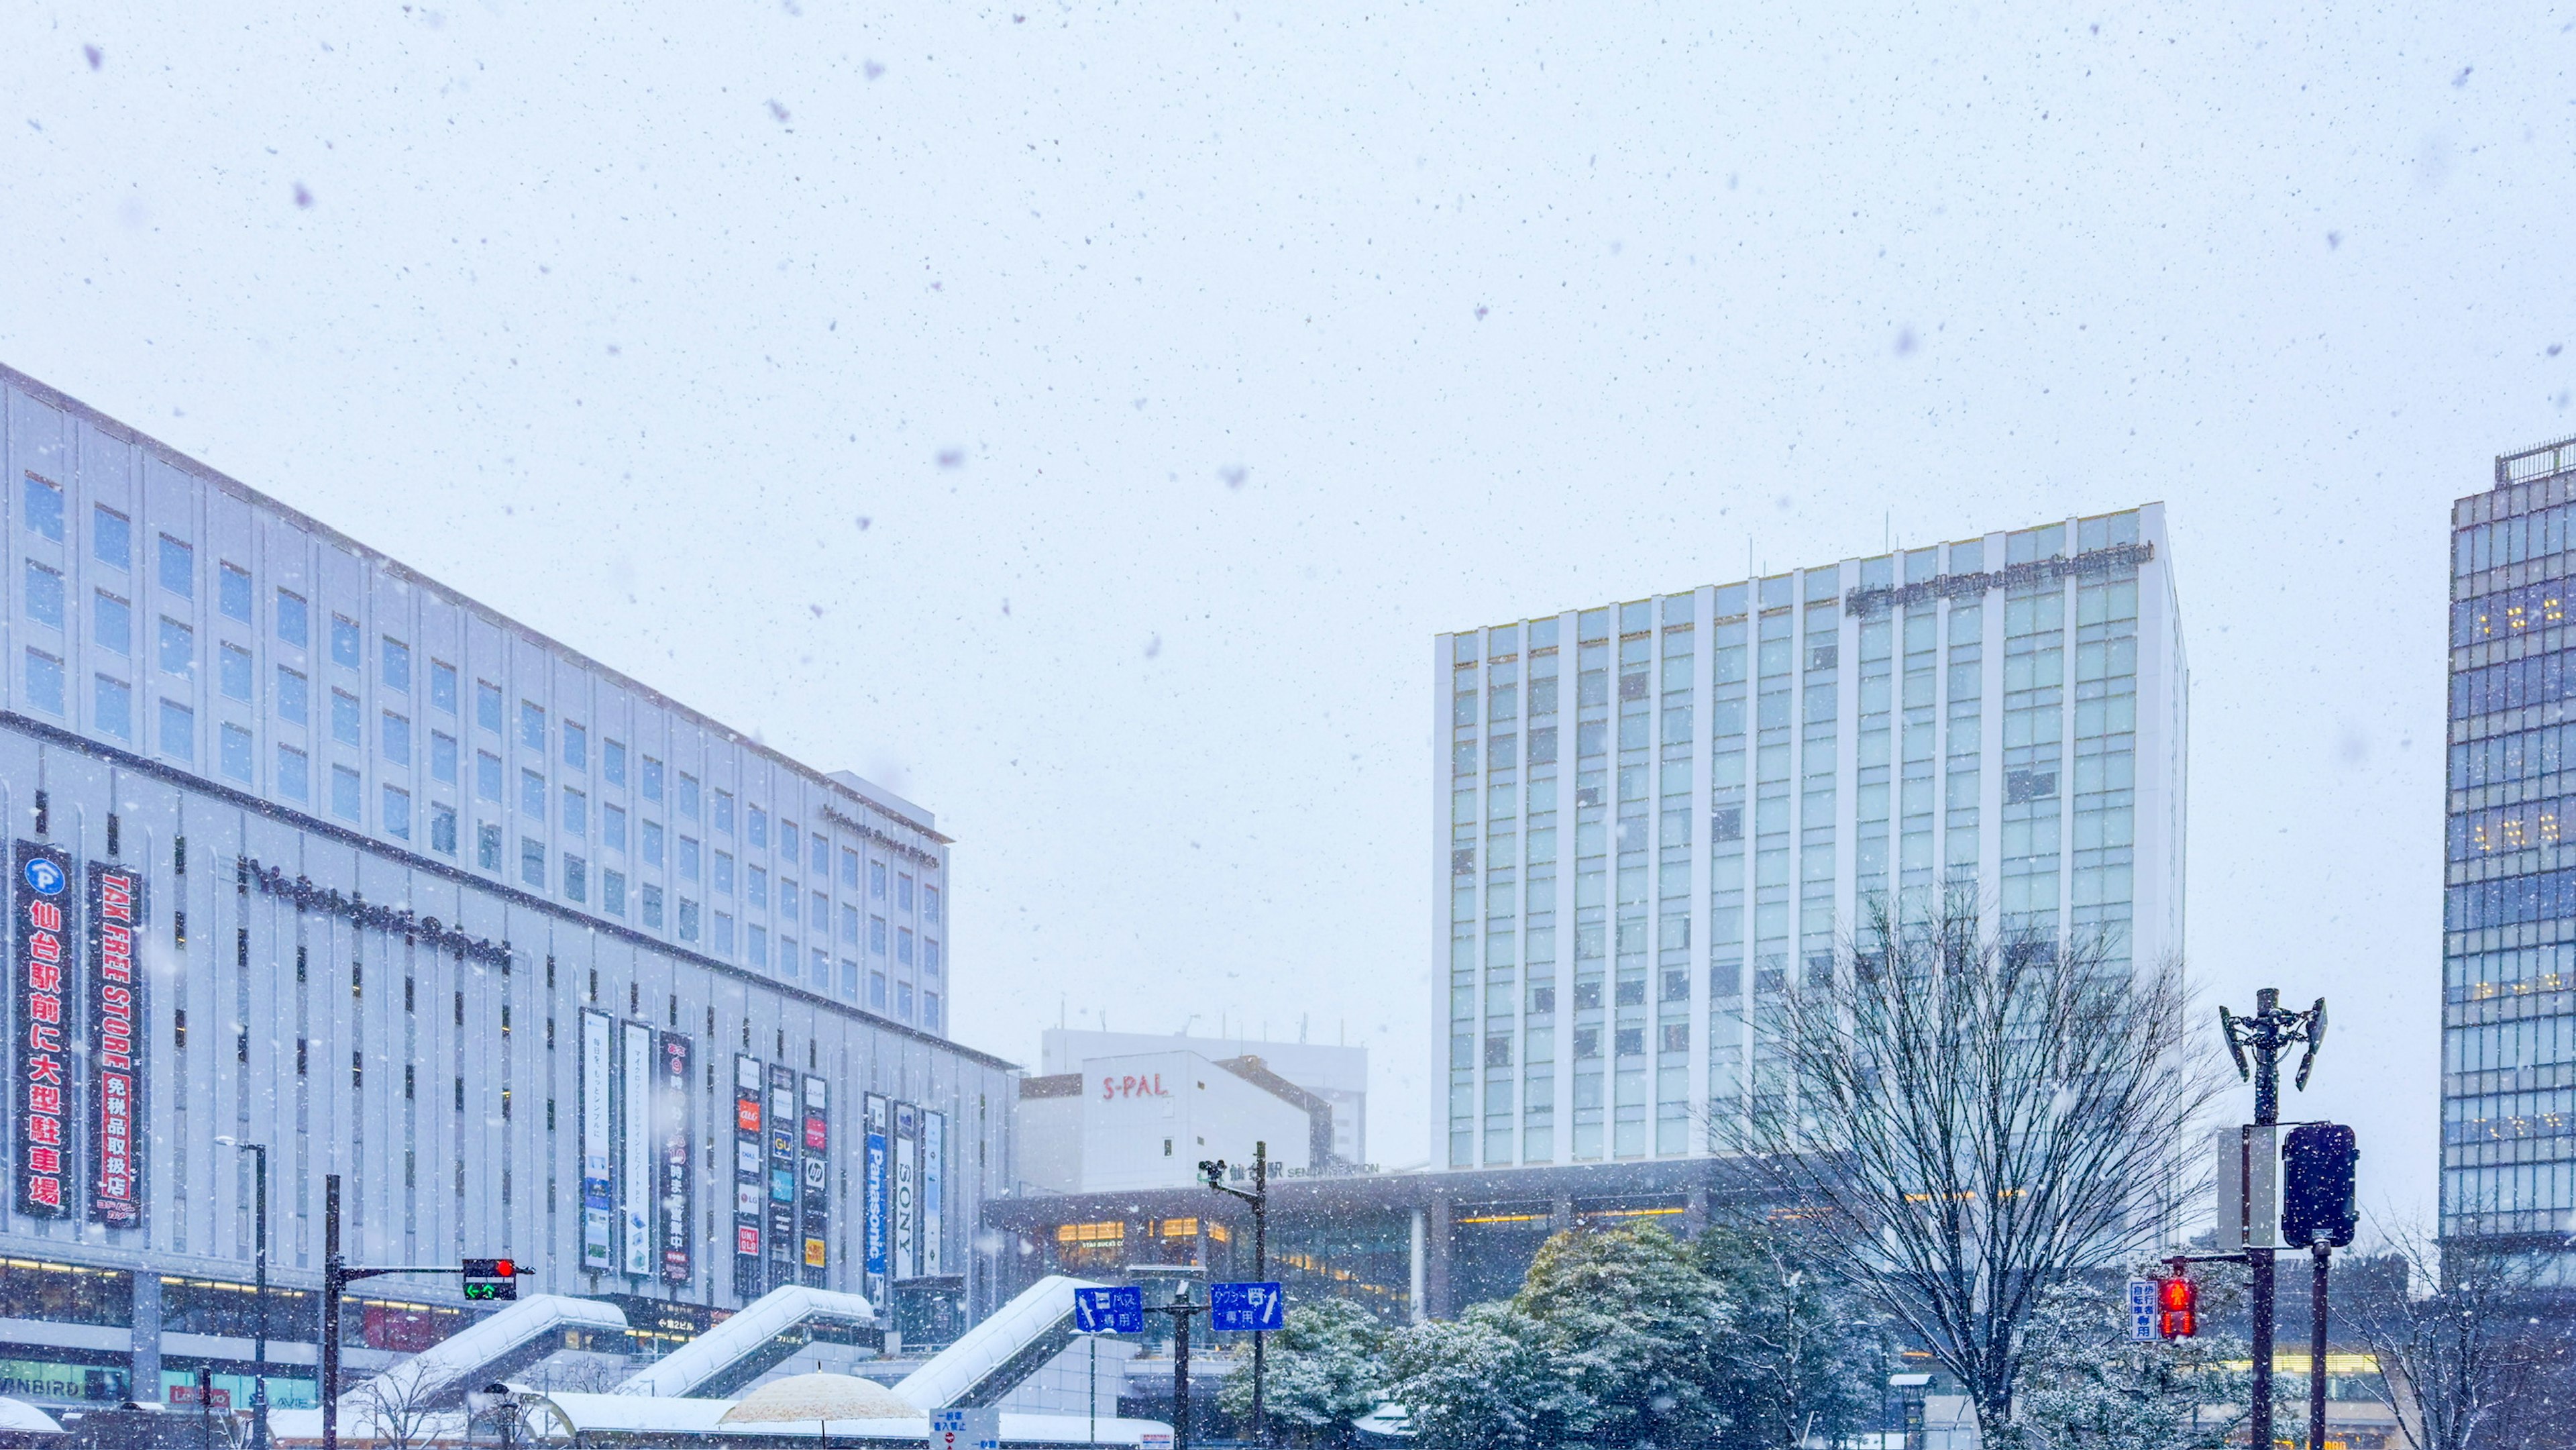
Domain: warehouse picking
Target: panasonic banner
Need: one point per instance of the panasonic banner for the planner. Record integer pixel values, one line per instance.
(873, 1174)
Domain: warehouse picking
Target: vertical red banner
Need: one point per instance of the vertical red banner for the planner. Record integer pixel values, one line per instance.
(116, 1038)
(41, 914)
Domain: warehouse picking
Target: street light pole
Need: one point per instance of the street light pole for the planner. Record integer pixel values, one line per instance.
(2268, 1032)
(259, 1295)
(1259, 1198)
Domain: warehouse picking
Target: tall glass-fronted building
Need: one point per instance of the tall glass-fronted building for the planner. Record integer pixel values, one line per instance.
(2509, 907)
(1649, 814)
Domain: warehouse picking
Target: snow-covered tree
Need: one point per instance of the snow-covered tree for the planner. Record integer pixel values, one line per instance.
(1487, 1381)
(1324, 1369)
(1636, 1326)
(2086, 1385)
(1801, 1359)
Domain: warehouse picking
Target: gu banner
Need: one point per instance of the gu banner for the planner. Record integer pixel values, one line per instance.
(750, 1178)
(872, 1195)
(784, 1159)
(597, 1213)
(41, 908)
(116, 1076)
(671, 1116)
(817, 1183)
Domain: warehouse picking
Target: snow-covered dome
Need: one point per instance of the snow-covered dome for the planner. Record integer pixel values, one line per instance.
(23, 1418)
(806, 1398)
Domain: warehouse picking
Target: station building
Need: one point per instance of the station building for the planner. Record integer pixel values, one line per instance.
(311, 852)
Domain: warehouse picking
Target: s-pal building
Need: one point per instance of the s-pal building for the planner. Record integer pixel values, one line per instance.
(307, 850)
(1648, 815)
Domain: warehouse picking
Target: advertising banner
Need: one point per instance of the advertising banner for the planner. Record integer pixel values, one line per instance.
(638, 1152)
(116, 1038)
(934, 1171)
(597, 1212)
(817, 1183)
(785, 1159)
(748, 1178)
(907, 1189)
(875, 1172)
(677, 1176)
(47, 1152)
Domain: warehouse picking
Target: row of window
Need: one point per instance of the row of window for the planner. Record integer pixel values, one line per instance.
(2538, 680)
(2509, 612)
(2519, 755)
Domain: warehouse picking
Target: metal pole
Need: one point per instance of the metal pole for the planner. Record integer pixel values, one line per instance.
(2267, 1112)
(1181, 1370)
(329, 1349)
(259, 1293)
(206, 1405)
(2317, 1350)
(1095, 1388)
(1260, 1271)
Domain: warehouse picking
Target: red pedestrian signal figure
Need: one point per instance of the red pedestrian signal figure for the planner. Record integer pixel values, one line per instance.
(2177, 1308)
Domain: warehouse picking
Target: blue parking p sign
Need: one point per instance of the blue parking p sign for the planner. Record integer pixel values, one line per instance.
(1109, 1311)
(1245, 1306)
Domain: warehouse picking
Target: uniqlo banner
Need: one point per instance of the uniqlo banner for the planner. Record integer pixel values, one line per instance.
(116, 1038)
(671, 1114)
(41, 955)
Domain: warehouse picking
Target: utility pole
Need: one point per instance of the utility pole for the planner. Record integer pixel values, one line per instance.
(1259, 1198)
(259, 1294)
(1180, 1309)
(2317, 1350)
(2271, 1029)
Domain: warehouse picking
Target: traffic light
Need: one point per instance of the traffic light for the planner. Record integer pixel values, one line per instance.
(2317, 1199)
(491, 1279)
(2177, 1308)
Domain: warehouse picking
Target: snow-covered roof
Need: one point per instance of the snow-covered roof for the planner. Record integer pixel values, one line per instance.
(19, 1417)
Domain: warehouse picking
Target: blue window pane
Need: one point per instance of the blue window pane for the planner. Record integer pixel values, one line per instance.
(178, 649)
(612, 828)
(344, 717)
(487, 705)
(112, 621)
(178, 731)
(44, 595)
(720, 934)
(930, 1010)
(397, 738)
(876, 879)
(849, 923)
(178, 567)
(112, 707)
(344, 642)
(532, 725)
(652, 843)
(689, 857)
(849, 868)
(755, 886)
(688, 919)
(756, 826)
(234, 668)
(442, 686)
(688, 793)
(755, 946)
(822, 974)
(442, 757)
(532, 862)
(724, 811)
(398, 813)
(45, 508)
(111, 537)
(232, 592)
(397, 665)
(344, 792)
(294, 779)
(723, 875)
(612, 762)
(653, 907)
(442, 830)
(487, 847)
(294, 696)
(236, 753)
(903, 1000)
(903, 946)
(576, 746)
(487, 776)
(820, 917)
(612, 892)
(929, 957)
(876, 990)
(849, 979)
(576, 812)
(532, 795)
(876, 936)
(45, 682)
(576, 878)
(651, 785)
(294, 619)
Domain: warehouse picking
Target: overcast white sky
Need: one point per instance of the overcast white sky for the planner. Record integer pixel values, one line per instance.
(1079, 417)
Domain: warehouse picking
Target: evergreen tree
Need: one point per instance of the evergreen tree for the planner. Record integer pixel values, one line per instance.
(1636, 1326)
(1801, 1358)
(2087, 1386)
(1488, 1381)
(1325, 1368)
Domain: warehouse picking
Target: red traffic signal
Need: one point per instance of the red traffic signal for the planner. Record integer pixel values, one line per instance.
(491, 1279)
(2177, 1308)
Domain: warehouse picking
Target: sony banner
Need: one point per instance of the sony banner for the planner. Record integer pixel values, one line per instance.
(749, 1179)
(934, 1167)
(638, 1151)
(907, 1189)
(597, 1213)
(785, 1159)
(817, 1183)
(116, 1076)
(873, 1176)
(671, 1121)
(42, 912)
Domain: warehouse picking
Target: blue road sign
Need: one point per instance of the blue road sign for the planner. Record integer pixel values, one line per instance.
(1109, 1311)
(1245, 1306)
(2142, 1309)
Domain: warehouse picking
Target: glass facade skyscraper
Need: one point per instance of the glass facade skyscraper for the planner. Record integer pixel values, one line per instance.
(1648, 815)
(2509, 900)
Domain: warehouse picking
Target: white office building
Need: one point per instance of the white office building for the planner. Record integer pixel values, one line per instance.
(1647, 814)
(1335, 1072)
(310, 851)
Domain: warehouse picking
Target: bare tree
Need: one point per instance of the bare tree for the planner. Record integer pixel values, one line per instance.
(2458, 1361)
(398, 1409)
(1964, 1119)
